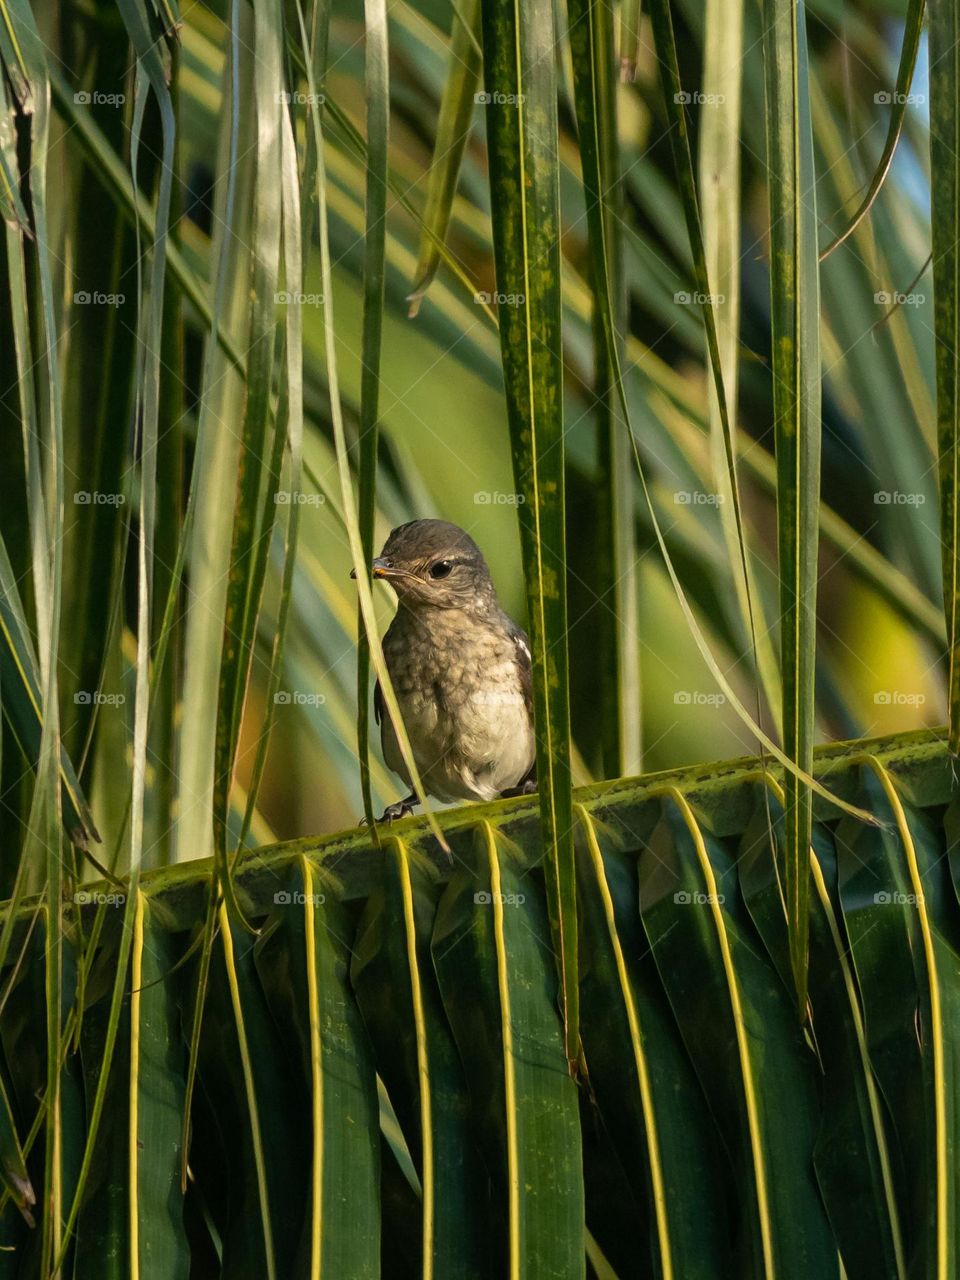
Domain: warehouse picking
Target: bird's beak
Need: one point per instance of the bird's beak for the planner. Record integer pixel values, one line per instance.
(380, 568)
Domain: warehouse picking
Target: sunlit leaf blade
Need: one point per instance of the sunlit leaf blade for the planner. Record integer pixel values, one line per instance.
(520, 81)
(157, 1239)
(855, 1161)
(674, 99)
(615, 578)
(656, 1113)
(945, 218)
(491, 928)
(375, 241)
(453, 129)
(250, 1084)
(172, 504)
(216, 461)
(303, 962)
(899, 100)
(719, 175)
(794, 304)
(290, 420)
(417, 1059)
(896, 901)
(714, 974)
(262, 441)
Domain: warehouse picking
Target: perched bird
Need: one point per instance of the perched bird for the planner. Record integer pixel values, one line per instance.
(460, 667)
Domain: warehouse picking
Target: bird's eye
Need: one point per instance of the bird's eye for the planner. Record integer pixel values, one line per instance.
(440, 569)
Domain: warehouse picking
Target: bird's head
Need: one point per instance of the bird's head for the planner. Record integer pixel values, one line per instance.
(434, 563)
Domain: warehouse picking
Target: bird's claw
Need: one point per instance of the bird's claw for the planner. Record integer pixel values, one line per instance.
(394, 811)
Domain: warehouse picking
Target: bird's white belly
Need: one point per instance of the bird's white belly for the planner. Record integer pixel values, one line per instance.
(482, 748)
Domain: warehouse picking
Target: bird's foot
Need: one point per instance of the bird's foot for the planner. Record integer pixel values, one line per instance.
(526, 788)
(394, 811)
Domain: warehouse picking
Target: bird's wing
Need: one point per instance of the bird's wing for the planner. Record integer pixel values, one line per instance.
(525, 667)
(377, 702)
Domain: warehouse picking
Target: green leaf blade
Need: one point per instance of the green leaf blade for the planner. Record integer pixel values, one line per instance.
(303, 960)
(795, 303)
(453, 130)
(522, 142)
(944, 25)
(492, 954)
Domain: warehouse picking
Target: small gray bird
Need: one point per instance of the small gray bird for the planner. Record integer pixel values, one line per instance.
(460, 668)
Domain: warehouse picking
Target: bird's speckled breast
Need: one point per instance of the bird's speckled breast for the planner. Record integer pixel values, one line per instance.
(460, 693)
